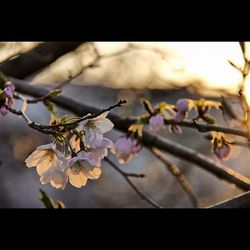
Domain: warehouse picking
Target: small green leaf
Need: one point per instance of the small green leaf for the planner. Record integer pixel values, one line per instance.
(49, 202)
(45, 199)
(208, 119)
(3, 80)
(50, 106)
(54, 93)
(2, 94)
(68, 119)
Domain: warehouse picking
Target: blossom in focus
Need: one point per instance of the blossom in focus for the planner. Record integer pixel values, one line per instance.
(95, 128)
(156, 123)
(81, 168)
(56, 175)
(44, 158)
(98, 153)
(125, 149)
(75, 143)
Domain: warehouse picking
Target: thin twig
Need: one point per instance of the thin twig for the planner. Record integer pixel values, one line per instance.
(245, 72)
(126, 177)
(180, 177)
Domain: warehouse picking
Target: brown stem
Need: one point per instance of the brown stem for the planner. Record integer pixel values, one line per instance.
(126, 177)
(180, 177)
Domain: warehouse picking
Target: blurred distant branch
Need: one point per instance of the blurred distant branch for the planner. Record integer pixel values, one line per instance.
(126, 177)
(98, 57)
(241, 201)
(148, 139)
(37, 58)
(180, 177)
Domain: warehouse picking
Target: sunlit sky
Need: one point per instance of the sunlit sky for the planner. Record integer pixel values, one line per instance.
(205, 60)
(208, 60)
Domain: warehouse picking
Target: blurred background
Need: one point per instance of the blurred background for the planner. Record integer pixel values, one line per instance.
(103, 73)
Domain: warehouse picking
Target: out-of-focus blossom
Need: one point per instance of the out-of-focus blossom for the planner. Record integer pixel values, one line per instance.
(182, 106)
(175, 129)
(95, 128)
(3, 111)
(9, 89)
(8, 95)
(156, 123)
(125, 149)
(221, 149)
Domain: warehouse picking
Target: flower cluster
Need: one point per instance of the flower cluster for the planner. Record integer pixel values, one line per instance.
(87, 147)
(6, 97)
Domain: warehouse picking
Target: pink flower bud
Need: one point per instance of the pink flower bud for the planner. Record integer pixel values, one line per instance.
(137, 148)
(221, 151)
(182, 105)
(9, 90)
(156, 123)
(175, 129)
(3, 111)
(179, 116)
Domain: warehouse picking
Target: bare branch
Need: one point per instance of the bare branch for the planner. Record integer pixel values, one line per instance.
(126, 177)
(176, 172)
(241, 201)
(37, 58)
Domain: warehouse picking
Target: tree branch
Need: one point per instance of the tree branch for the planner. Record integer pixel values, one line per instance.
(176, 172)
(37, 58)
(241, 201)
(148, 139)
(126, 177)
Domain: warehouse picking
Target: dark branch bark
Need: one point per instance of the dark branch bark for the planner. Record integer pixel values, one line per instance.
(149, 139)
(37, 58)
(241, 201)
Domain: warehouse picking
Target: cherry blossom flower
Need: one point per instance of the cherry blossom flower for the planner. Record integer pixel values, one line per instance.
(75, 143)
(44, 158)
(81, 168)
(97, 154)
(156, 123)
(125, 149)
(56, 175)
(95, 128)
